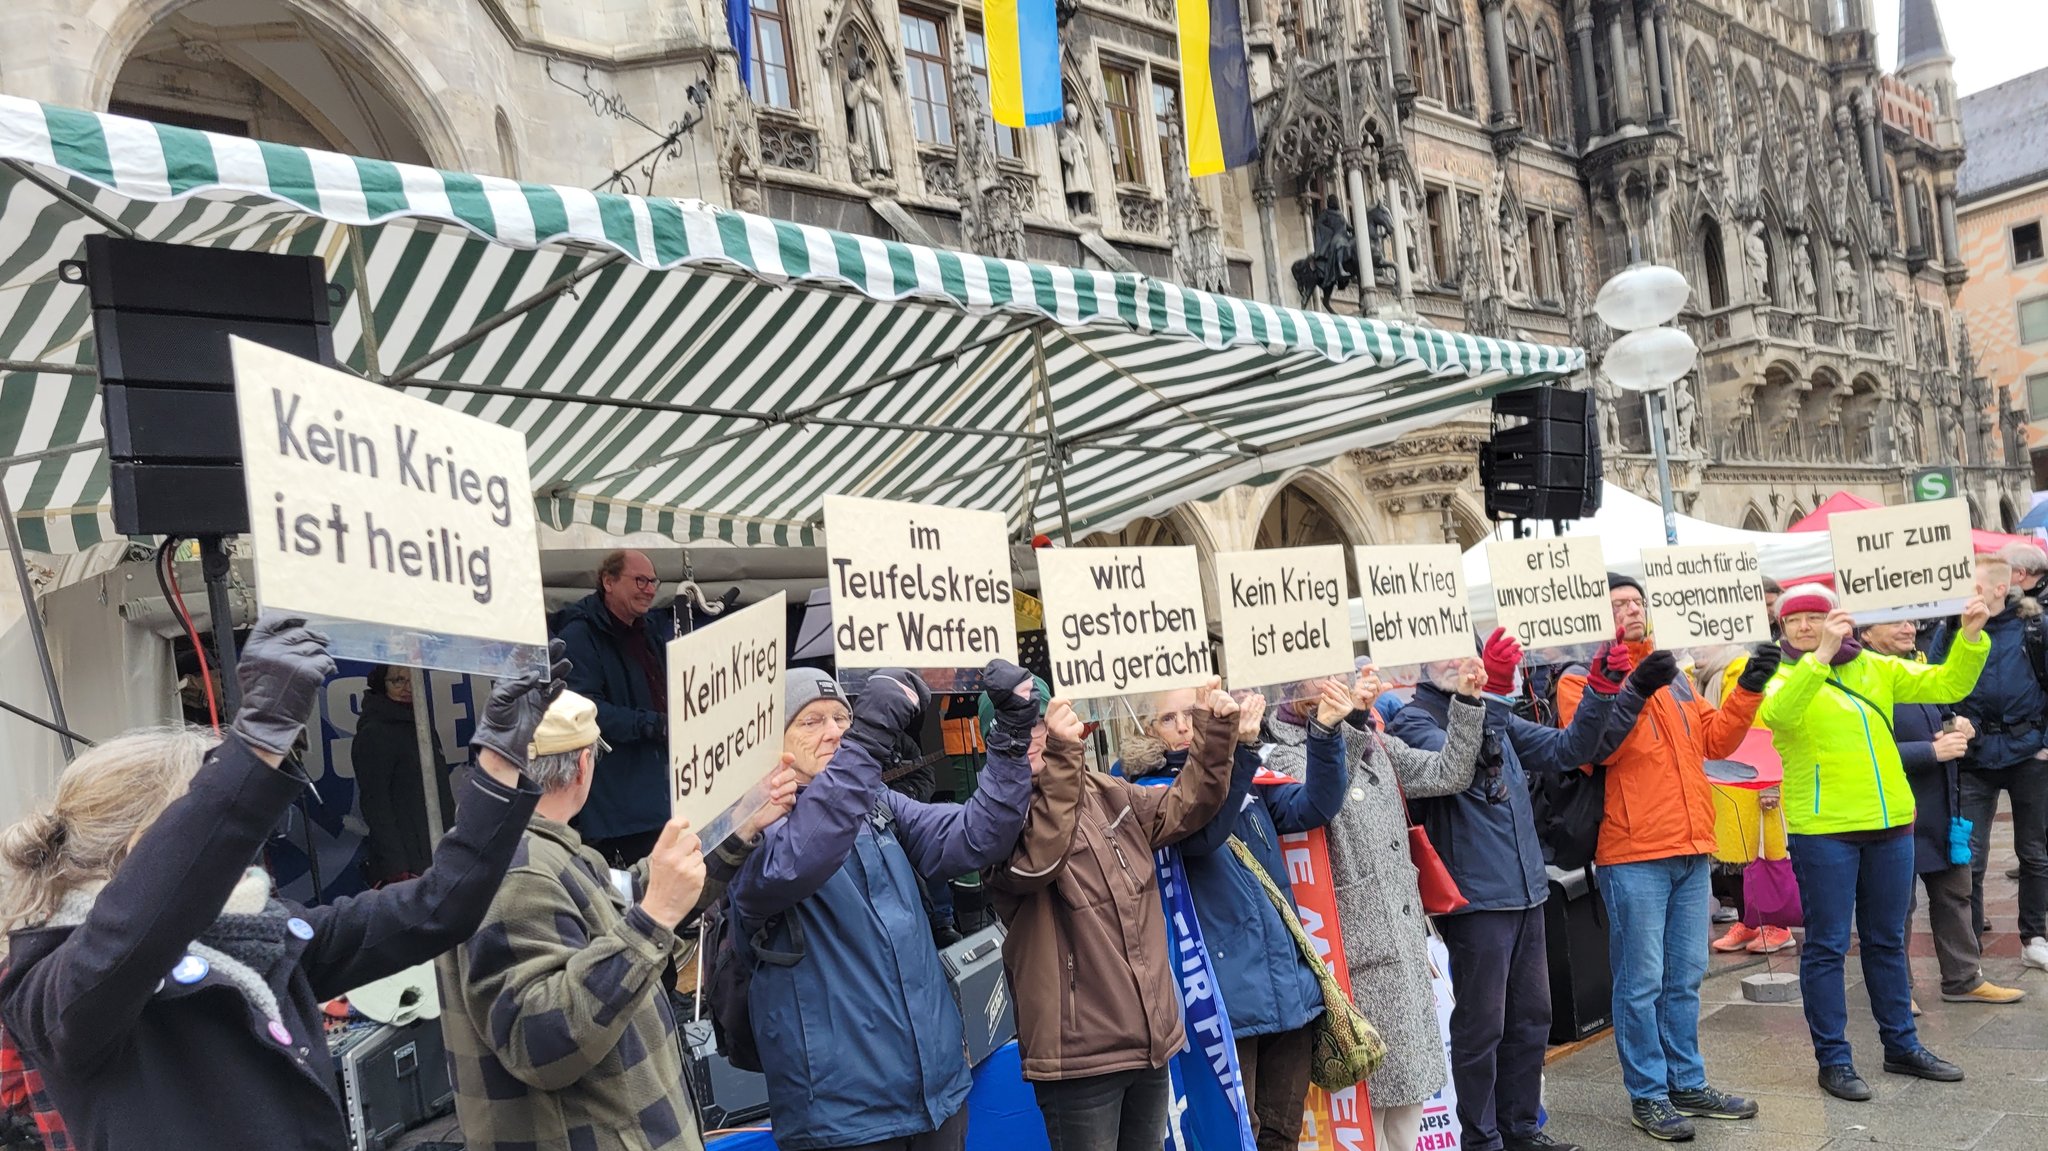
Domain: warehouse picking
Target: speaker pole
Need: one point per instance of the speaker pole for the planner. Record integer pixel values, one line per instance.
(1653, 402)
(215, 566)
(35, 627)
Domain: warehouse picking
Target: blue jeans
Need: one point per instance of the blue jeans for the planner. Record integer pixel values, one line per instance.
(1871, 885)
(1657, 946)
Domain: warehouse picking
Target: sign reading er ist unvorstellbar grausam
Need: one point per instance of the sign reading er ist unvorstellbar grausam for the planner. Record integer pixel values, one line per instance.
(918, 586)
(1905, 556)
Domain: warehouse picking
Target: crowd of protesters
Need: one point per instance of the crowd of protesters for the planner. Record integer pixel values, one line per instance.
(152, 974)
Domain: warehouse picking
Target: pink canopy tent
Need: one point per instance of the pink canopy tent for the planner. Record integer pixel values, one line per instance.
(1817, 521)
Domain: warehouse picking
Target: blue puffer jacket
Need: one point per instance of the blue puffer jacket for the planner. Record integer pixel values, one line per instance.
(2007, 705)
(861, 1038)
(1267, 988)
(1915, 725)
(629, 792)
(1490, 845)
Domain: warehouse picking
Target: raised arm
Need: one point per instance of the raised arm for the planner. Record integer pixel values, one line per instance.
(1542, 748)
(797, 855)
(945, 840)
(1048, 835)
(1171, 814)
(1947, 682)
(1447, 771)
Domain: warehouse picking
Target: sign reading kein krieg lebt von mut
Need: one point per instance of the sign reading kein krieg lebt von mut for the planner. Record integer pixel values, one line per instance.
(1551, 593)
(725, 703)
(918, 586)
(1415, 603)
(1283, 615)
(1705, 594)
(1122, 621)
(388, 518)
(1912, 555)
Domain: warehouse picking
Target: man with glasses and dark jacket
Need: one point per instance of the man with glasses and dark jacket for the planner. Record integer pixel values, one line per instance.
(617, 653)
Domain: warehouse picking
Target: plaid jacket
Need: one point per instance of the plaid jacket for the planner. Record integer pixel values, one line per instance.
(21, 1084)
(560, 1037)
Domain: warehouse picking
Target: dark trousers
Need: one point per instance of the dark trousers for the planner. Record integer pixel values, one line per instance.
(1866, 885)
(2026, 785)
(1500, 975)
(951, 1136)
(1955, 933)
(1275, 1069)
(1120, 1111)
(626, 850)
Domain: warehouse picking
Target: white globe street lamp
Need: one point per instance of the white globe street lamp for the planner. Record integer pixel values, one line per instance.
(1639, 301)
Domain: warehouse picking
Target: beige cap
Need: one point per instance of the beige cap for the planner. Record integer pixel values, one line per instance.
(569, 725)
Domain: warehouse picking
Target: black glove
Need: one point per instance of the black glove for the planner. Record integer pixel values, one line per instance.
(1656, 671)
(1015, 716)
(1763, 664)
(516, 707)
(282, 665)
(889, 712)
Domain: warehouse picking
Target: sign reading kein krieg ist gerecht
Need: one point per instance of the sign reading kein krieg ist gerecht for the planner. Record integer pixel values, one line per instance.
(1916, 556)
(405, 529)
(1551, 593)
(725, 703)
(1121, 621)
(1415, 603)
(918, 586)
(1705, 594)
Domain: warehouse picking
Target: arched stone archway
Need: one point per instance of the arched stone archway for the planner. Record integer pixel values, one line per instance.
(2008, 515)
(1308, 510)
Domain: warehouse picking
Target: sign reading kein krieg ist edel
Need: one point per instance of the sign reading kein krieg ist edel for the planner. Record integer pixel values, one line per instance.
(725, 703)
(1906, 562)
(1413, 597)
(404, 529)
(1551, 594)
(917, 586)
(1704, 595)
(1284, 618)
(1124, 621)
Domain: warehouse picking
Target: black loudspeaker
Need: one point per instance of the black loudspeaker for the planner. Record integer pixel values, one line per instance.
(161, 318)
(1575, 933)
(1547, 467)
(725, 1096)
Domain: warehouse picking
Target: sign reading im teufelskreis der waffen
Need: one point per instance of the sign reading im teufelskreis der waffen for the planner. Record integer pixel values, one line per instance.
(918, 586)
(1121, 621)
(725, 701)
(1413, 596)
(1705, 594)
(1284, 618)
(406, 529)
(1913, 555)
(1551, 593)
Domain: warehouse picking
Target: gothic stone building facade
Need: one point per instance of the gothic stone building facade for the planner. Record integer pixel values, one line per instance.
(1486, 163)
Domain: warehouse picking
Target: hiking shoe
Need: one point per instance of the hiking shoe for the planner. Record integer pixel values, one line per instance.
(2035, 953)
(1660, 1120)
(1768, 940)
(1539, 1141)
(1707, 1103)
(1924, 1064)
(1987, 992)
(1842, 1082)
(1739, 936)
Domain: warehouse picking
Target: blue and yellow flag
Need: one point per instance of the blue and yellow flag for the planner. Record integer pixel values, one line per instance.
(1023, 38)
(1216, 100)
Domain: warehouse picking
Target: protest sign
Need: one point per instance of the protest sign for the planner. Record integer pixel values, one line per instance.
(1284, 617)
(1121, 621)
(1551, 593)
(1914, 555)
(725, 701)
(1415, 603)
(1705, 594)
(918, 586)
(405, 528)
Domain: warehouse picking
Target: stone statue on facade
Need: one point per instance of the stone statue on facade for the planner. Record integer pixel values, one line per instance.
(1758, 257)
(1863, 435)
(1411, 222)
(1684, 417)
(1846, 293)
(2013, 423)
(1513, 232)
(1077, 173)
(1795, 174)
(1608, 395)
(1333, 263)
(1803, 286)
(864, 120)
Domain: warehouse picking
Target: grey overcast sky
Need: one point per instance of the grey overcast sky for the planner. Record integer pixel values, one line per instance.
(1992, 40)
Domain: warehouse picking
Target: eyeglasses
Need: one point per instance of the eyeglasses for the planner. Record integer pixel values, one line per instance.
(645, 583)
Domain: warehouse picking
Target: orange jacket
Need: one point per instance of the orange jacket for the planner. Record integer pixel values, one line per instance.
(1659, 802)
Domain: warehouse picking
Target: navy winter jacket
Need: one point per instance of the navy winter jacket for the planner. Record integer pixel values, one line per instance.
(2007, 705)
(629, 792)
(1490, 848)
(1915, 725)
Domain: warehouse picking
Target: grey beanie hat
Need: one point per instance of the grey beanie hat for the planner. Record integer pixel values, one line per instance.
(805, 686)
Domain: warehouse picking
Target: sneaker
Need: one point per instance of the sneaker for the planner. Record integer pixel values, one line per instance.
(1539, 1141)
(1924, 1064)
(1707, 1103)
(2035, 953)
(1987, 992)
(1660, 1120)
(1725, 914)
(1842, 1082)
(1738, 937)
(1771, 939)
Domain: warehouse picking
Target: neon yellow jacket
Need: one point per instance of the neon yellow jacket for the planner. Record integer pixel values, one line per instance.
(1842, 769)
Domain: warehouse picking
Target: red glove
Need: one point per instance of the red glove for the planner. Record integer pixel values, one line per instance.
(1502, 655)
(1611, 665)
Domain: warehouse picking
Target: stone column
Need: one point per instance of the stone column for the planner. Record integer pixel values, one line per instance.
(1361, 225)
(1951, 248)
(1873, 152)
(1396, 20)
(1915, 240)
(1589, 94)
(1497, 64)
(1664, 62)
(1646, 48)
(1617, 74)
(1269, 234)
(1391, 179)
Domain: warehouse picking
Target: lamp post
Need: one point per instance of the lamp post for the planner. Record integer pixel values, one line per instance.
(1640, 301)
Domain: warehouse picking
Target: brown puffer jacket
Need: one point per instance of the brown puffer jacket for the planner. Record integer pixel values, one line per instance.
(1087, 945)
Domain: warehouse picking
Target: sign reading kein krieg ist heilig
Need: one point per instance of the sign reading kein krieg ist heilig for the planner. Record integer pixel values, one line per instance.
(725, 704)
(404, 529)
(920, 587)
(1124, 621)
(1906, 562)
(1551, 594)
(1414, 602)
(1283, 616)
(1703, 595)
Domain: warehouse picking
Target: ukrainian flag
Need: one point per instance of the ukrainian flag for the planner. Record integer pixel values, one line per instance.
(1216, 100)
(1023, 39)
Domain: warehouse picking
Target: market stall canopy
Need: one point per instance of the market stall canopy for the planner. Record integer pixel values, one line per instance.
(702, 373)
(1981, 541)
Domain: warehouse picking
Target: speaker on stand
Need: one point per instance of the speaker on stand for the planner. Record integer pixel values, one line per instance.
(1543, 459)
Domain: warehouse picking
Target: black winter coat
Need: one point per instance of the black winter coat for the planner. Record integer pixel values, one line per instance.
(385, 755)
(135, 1061)
(629, 794)
(1915, 725)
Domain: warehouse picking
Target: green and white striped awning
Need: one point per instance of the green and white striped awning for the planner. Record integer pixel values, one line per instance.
(702, 373)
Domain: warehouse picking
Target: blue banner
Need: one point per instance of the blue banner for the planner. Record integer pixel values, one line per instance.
(1208, 1110)
(739, 26)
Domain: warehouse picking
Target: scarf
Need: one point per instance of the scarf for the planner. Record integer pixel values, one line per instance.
(1851, 648)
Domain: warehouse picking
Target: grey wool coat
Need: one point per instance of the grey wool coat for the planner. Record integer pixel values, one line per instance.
(1379, 907)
